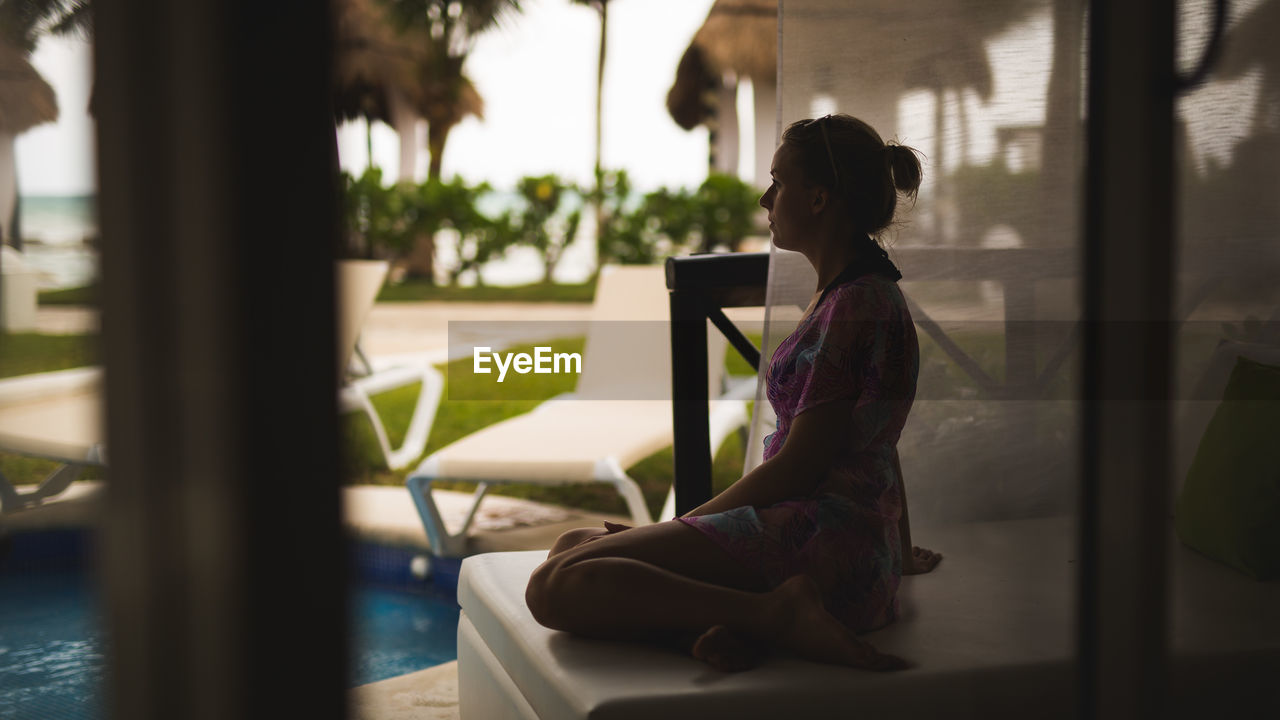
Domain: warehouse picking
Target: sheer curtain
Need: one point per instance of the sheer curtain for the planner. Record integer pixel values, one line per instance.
(992, 93)
(1227, 150)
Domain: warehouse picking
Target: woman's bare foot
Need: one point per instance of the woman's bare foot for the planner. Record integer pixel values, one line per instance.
(725, 650)
(922, 560)
(807, 630)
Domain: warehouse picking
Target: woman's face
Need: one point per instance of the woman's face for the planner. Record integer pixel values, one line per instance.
(790, 202)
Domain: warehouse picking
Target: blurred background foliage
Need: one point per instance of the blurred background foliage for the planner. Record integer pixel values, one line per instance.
(545, 213)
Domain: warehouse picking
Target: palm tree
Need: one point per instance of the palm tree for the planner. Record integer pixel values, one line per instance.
(26, 99)
(597, 195)
(447, 97)
(446, 31)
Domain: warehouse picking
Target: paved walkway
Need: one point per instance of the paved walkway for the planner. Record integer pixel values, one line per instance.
(66, 320)
(430, 694)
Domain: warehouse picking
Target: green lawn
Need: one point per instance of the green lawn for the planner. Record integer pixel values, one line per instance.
(26, 353)
(417, 290)
(87, 295)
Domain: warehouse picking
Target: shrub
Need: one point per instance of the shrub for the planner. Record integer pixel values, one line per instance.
(726, 210)
(549, 220)
(665, 222)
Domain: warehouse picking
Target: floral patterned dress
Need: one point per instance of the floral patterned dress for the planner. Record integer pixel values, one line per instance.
(858, 343)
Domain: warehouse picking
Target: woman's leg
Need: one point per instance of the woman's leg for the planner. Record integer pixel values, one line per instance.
(669, 577)
(573, 538)
(718, 647)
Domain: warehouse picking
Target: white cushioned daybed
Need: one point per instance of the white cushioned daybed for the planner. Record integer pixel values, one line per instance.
(991, 633)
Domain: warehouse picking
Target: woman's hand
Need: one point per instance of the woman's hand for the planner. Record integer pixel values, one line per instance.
(920, 562)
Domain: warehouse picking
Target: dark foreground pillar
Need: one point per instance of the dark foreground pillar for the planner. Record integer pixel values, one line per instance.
(222, 560)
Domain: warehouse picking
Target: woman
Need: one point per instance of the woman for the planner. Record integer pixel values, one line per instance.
(807, 549)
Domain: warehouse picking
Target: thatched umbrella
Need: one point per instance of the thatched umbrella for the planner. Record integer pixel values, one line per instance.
(376, 73)
(876, 49)
(372, 59)
(741, 36)
(738, 36)
(26, 101)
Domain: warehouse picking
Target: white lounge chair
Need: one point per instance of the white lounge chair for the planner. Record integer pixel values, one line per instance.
(598, 431)
(359, 282)
(58, 415)
(55, 416)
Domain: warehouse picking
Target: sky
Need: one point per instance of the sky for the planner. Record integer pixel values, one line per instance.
(58, 158)
(536, 74)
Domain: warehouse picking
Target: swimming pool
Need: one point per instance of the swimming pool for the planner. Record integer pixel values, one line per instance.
(52, 642)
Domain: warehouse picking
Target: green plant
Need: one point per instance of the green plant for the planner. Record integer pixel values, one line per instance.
(384, 220)
(388, 221)
(660, 224)
(727, 208)
(623, 235)
(718, 215)
(455, 205)
(549, 219)
(618, 238)
(368, 220)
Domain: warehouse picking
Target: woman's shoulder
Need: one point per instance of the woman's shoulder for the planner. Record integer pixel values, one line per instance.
(864, 295)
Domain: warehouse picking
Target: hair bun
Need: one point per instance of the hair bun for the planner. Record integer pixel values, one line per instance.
(904, 166)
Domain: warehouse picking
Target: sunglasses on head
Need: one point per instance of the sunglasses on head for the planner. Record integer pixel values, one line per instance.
(822, 125)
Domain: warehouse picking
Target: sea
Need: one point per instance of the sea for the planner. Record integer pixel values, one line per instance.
(60, 234)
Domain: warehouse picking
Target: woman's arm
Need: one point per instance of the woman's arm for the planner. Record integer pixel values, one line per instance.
(817, 435)
(915, 560)
(904, 522)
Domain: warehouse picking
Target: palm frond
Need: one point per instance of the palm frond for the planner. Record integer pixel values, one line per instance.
(77, 21)
(22, 22)
(481, 15)
(26, 99)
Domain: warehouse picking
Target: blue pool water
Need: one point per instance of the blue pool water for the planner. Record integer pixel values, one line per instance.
(397, 632)
(50, 646)
(52, 643)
